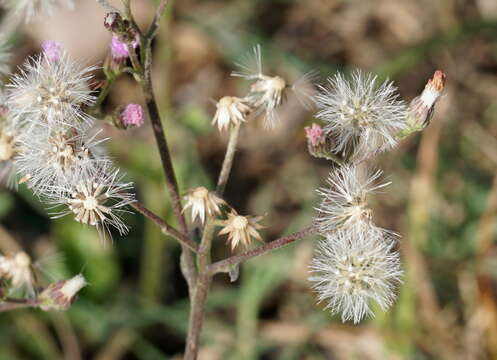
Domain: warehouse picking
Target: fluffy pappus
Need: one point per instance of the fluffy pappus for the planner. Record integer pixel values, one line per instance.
(344, 199)
(361, 115)
(352, 269)
(47, 91)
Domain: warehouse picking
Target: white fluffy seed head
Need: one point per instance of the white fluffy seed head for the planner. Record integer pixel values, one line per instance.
(361, 115)
(57, 155)
(344, 199)
(47, 91)
(352, 269)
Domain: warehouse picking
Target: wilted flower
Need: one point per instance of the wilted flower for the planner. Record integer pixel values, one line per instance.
(267, 92)
(352, 269)
(361, 116)
(421, 108)
(202, 202)
(97, 199)
(60, 295)
(230, 111)
(53, 50)
(241, 229)
(27, 10)
(18, 269)
(132, 115)
(46, 91)
(344, 199)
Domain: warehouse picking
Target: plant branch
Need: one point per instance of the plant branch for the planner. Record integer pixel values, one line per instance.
(144, 78)
(227, 264)
(154, 26)
(165, 227)
(13, 304)
(199, 299)
(228, 160)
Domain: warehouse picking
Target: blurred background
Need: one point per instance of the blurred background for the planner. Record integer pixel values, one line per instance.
(443, 197)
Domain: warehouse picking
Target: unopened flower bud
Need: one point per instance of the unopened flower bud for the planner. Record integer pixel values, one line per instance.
(132, 116)
(60, 295)
(113, 21)
(52, 50)
(318, 144)
(422, 107)
(315, 135)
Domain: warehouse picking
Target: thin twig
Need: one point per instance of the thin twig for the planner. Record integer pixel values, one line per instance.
(199, 299)
(166, 228)
(13, 304)
(227, 264)
(228, 160)
(154, 26)
(144, 78)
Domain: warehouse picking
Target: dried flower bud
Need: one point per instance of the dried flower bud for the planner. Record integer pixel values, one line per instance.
(132, 116)
(203, 202)
(318, 143)
(113, 21)
(230, 110)
(240, 229)
(60, 295)
(52, 50)
(421, 108)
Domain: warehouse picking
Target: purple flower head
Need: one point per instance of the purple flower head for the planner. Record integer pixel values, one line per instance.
(132, 115)
(52, 50)
(119, 49)
(315, 134)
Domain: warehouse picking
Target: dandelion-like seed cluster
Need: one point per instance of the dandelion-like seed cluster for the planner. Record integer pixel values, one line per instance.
(55, 147)
(353, 269)
(362, 116)
(356, 263)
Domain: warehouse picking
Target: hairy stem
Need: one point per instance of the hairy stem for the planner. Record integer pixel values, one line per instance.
(143, 75)
(228, 160)
(13, 304)
(227, 264)
(165, 227)
(199, 299)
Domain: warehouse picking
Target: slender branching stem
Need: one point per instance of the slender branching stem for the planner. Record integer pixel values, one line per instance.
(13, 304)
(143, 71)
(228, 160)
(199, 299)
(165, 227)
(227, 264)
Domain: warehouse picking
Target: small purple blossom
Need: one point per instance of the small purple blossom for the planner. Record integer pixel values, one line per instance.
(52, 50)
(119, 49)
(132, 115)
(315, 134)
